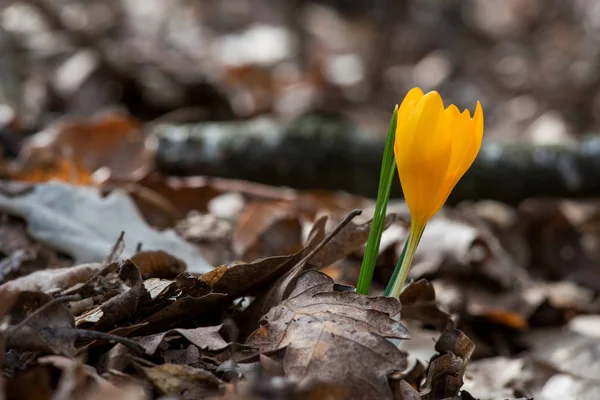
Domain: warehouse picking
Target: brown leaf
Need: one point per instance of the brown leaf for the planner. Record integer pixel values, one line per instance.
(182, 381)
(60, 278)
(445, 373)
(203, 337)
(328, 331)
(120, 307)
(40, 327)
(181, 309)
(403, 391)
(337, 243)
(266, 229)
(114, 141)
(23, 254)
(158, 264)
(418, 303)
(350, 238)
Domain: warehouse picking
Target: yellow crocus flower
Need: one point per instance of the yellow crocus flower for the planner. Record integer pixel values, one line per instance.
(434, 147)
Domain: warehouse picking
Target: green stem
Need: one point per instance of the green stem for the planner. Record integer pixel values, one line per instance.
(386, 177)
(406, 259)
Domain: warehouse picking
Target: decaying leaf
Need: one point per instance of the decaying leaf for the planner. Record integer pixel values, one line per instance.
(323, 326)
(59, 278)
(419, 303)
(267, 228)
(113, 141)
(445, 373)
(39, 323)
(187, 383)
(85, 225)
(158, 264)
(120, 307)
(203, 337)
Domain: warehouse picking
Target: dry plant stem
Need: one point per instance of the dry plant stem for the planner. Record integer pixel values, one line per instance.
(416, 231)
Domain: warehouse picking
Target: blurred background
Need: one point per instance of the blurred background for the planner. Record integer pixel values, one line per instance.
(533, 64)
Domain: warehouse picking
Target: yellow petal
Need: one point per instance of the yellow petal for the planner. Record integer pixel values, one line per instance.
(411, 98)
(452, 112)
(422, 150)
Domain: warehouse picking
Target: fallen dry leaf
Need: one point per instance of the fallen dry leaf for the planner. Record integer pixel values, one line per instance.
(445, 372)
(419, 303)
(85, 225)
(51, 279)
(40, 324)
(120, 307)
(113, 141)
(267, 228)
(158, 264)
(323, 326)
(187, 383)
(203, 338)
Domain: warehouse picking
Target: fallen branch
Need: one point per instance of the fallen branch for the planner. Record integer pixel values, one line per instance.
(317, 152)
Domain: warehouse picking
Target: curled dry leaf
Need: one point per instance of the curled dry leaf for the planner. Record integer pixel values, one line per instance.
(182, 381)
(418, 303)
(445, 373)
(158, 264)
(60, 278)
(331, 334)
(267, 228)
(345, 238)
(120, 307)
(23, 255)
(40, 324)
(113, 141)
(203, 337)
(85, 225)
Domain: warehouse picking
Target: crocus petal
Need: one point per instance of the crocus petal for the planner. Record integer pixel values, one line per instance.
(434, 147)
(422, 154)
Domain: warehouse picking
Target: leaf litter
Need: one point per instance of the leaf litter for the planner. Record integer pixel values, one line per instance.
(102, 296)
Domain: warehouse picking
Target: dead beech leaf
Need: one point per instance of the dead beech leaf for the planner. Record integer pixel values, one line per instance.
(318, 243)
(182, 381)
(265, 229)
(85, 225)
(349, 239)
(181, 309)
(40, 329)
(445, 372)
(54, 168)
(332, 334)
(158, 264)
(418, 303)
(114, 141)
(120, 307)
(60, 278)
(203, 338)
(23, 255)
